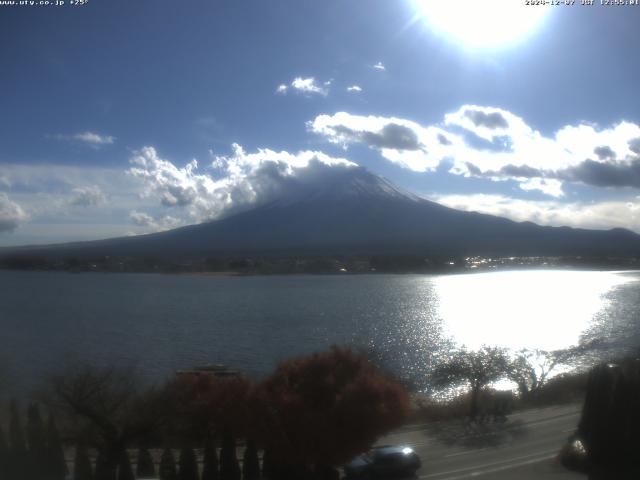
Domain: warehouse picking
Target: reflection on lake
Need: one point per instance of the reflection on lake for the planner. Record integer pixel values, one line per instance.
(165, 322)
(523, 309)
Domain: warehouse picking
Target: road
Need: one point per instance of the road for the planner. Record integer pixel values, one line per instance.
(524, 447)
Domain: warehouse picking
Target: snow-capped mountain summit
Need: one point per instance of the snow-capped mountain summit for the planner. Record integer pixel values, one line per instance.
(355, 212)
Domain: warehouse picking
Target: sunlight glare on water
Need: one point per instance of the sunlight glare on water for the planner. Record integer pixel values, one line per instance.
(522, 309)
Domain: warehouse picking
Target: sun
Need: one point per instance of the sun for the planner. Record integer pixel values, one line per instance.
(478, 24)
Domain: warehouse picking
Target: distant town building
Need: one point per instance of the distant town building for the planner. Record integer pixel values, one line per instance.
(215, 370)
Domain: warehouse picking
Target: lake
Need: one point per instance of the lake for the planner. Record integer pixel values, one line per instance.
(165, 322)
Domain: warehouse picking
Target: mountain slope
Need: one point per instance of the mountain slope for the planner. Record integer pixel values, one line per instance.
(356, 212)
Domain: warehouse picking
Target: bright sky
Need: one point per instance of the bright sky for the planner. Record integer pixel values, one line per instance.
(124, 116)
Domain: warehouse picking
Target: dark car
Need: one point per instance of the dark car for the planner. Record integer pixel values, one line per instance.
(384, 462)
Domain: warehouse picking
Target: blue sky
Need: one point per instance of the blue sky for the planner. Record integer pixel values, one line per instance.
(106, 106)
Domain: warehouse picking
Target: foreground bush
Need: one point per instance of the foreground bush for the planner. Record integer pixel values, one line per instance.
(573, 456)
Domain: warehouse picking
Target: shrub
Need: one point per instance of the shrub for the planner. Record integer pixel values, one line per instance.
(104, 468)
(167, 469)
(125, 472)
(37, 442)
(56, 462)
(188, 465)
(250, 462)
(17, 448)
(4, 456)
(210, 462)
(145, 467)
(82, 465)
(229, 467)
(573, 456)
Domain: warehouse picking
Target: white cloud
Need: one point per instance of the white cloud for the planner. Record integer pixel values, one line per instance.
(601, 215)
(305, 86)
(354, 88)
(379, 66)
(548, 186)
(241, 180)
(88, 196)
(309, 85)
(91, 139)
(50, 196)
(11, 214)
(398, 140)
(491, 142)
(154, 224)
(44, 189)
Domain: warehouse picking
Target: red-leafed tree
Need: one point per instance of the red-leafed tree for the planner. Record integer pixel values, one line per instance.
(321, 410)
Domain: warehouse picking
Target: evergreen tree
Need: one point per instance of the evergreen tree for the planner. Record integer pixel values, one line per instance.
(82, 465)
(268, 469)
(16, 434)
(229, 468)
(145, 467)
(188, 465)
(251, 463)
(125, 472)
(168, 466)
(210, 469)
(104, 470)
(4, 456)
(56, 462)
(37, 443)
(17, 449)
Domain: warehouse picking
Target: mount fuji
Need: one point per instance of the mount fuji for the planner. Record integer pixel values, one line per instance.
(353, 212)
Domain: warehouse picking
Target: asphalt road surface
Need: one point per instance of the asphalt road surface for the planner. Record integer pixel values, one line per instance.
(523, 447)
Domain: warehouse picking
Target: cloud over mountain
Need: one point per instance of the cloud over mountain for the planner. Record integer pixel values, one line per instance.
(155, 224)
(497, 144)
(601, 215)
(230, 184)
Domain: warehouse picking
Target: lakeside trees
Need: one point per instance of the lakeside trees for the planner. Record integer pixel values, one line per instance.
(312, 414)
(529, 369)
(472, 369)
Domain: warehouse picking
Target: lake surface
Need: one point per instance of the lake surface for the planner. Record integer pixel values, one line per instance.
(165, 322)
